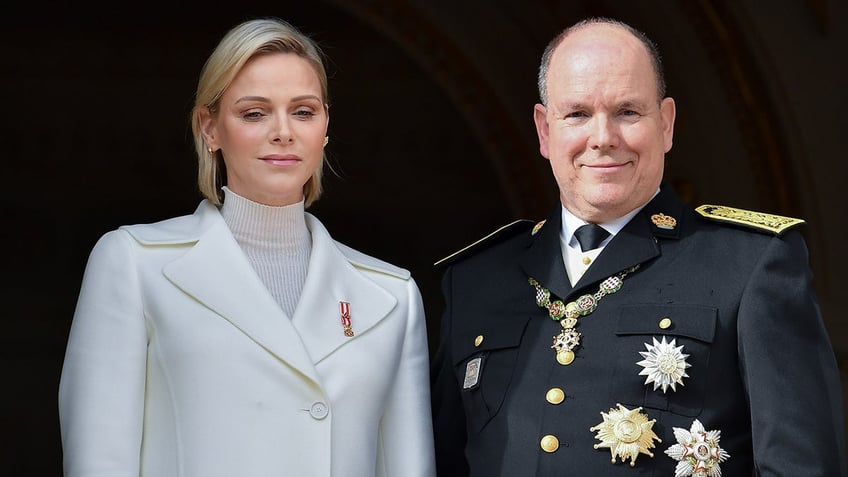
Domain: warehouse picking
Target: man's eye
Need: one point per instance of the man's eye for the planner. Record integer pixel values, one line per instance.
(577, 114)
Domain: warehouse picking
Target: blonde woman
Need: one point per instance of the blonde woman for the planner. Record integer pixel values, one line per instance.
(242, 340)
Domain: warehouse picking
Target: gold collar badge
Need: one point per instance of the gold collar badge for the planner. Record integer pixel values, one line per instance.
(626, 433)
(664, 221)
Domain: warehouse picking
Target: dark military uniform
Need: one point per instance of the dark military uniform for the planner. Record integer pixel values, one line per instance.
(740, 302)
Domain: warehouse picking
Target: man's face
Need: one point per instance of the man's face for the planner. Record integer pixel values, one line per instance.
(604, 130)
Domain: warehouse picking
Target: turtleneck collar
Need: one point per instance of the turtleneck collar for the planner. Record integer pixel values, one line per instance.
(277, 228)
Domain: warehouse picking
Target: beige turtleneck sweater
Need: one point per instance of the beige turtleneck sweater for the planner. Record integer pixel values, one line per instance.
(276, 241)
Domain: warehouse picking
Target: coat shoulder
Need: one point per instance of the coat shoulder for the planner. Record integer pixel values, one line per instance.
(758, 221)
(362, 260)
(499, 235)
(176, 230)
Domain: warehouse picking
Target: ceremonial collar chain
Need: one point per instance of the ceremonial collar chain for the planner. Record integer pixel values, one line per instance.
(567, 314)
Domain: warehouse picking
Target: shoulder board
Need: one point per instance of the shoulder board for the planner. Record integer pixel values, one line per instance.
(775, 224)
(498, 235)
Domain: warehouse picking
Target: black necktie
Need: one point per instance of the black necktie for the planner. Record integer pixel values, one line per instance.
(590, 236)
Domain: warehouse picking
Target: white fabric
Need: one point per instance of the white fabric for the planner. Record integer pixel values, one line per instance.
(179, 364)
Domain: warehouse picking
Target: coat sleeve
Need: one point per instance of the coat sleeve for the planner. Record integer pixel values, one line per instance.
(789, 368)
(448, 412)
(406, 429)
(101, 391)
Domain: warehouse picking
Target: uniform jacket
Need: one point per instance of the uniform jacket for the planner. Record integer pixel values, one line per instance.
(180, 363)
(740, 303)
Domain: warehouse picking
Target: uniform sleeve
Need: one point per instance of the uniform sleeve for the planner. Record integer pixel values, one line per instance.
(789, 368)
(448, 412)
(406, 430)
(101, 392)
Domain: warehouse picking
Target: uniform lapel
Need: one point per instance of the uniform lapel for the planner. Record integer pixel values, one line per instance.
(333, 279)
(543, 259)
(633, 245)
(216, 273)
(638, 241)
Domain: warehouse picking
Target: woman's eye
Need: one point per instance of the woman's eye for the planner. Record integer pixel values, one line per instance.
(252, 115)
(304, 113)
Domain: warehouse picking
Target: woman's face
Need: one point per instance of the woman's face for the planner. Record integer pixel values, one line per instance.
(270, 128)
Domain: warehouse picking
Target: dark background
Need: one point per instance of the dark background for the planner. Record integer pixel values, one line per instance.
(431, 138)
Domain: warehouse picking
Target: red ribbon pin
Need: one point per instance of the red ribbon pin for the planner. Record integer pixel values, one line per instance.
(344, 310)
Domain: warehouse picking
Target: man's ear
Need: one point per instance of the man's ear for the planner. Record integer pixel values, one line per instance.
(540, 117)
(668, 110)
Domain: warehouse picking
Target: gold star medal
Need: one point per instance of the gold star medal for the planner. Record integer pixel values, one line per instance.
(697, 452)
(665, 364)
(626, 433)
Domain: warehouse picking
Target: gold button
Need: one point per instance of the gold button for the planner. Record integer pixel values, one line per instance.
(478, 340)
(549, 443)
(555, 396)
(665, 323)
(587, 260)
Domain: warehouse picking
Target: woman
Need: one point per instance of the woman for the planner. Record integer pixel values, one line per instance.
(243, 340)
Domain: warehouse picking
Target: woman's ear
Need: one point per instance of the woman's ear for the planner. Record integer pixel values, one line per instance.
(208, 128)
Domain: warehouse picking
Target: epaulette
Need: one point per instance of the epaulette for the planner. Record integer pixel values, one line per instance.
(775, 224)
(503, 233)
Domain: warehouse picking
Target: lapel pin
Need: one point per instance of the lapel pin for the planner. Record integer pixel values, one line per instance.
(344, 310)
(664, 221)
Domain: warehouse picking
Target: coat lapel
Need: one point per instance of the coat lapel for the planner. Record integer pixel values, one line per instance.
(633, 245)
(333, 279)
(543, 259)
(216, 273)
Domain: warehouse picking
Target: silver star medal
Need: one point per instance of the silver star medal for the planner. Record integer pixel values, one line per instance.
(697, 452)
(665, 364)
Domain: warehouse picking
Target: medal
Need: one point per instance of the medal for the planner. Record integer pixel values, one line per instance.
(344, 311)
(626, 433)
(664, 364)
(567, 314)
(697, 452)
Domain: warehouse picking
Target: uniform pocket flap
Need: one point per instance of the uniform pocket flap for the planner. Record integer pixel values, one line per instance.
(692, 321)
(493, 335)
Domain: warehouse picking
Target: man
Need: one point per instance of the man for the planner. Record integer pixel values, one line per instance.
(679, 343)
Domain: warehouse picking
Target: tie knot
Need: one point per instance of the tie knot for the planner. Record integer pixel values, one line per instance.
(590, 236)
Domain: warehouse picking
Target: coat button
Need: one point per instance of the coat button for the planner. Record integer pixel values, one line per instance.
(665, 323)
(555, 395)
(319, 410)
(478, 340)
(549, 443)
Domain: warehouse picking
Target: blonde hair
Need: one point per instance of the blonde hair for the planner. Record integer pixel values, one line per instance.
(240, 44)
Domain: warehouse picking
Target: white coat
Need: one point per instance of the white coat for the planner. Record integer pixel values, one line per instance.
(180, 363)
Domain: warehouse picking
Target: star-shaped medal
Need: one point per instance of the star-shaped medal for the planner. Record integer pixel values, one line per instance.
(665, 364)
(626, 433)
(697, 452)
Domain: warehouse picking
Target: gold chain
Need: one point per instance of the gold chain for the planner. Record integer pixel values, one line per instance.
(567, 314)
